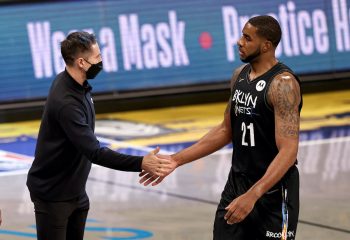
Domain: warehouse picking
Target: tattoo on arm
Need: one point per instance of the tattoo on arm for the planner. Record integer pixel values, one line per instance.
(284, 96)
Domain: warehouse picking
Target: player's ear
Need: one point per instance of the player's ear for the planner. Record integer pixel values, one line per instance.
(267, 45)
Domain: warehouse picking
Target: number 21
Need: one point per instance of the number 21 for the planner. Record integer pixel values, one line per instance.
(250, 127)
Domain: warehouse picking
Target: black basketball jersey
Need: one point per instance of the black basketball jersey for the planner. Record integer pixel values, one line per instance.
(253, 123)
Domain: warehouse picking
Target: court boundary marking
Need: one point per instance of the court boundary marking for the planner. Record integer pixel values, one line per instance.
(148, 149)
(195, 199)
(302, 143)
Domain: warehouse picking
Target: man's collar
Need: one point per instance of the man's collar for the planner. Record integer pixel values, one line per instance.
(75, 85)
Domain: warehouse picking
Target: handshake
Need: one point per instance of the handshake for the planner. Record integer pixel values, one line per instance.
(155, 167)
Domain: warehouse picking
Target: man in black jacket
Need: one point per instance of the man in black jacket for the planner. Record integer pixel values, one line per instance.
(66, 146)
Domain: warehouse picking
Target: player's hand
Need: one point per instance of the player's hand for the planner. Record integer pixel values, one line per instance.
(239, 208)
(156, 165)
(148, 177)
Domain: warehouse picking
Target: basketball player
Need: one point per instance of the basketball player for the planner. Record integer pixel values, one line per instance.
(261, 196)
(66, 146)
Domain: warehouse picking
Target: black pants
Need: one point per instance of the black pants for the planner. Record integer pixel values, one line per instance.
(274, 215)
(61, 220)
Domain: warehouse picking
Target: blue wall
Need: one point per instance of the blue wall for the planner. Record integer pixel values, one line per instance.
(149, 44)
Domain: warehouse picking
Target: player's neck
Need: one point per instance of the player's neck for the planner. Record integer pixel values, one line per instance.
(261, 66)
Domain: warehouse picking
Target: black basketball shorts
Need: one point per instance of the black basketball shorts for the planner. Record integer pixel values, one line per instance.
(274, 216)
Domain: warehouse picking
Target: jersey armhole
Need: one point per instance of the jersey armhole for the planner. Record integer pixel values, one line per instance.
(239, 70)
(266, 93)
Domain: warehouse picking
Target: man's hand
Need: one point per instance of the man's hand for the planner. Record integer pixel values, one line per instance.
(156, 165)
(148, 177)
(240, 207)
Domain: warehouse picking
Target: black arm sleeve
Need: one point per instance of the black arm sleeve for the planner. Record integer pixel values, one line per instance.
(73, 122)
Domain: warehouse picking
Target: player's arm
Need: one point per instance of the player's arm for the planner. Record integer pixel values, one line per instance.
(284, 96)
(215, 139)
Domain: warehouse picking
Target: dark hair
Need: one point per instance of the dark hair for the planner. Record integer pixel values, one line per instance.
(75, 44)
(267, 27)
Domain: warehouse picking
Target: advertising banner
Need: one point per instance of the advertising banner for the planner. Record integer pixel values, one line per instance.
(149, 44)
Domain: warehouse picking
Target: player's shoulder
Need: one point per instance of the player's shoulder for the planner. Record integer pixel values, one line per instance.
(285, 78)
(283, 73)
(238, 70)
(284, 85)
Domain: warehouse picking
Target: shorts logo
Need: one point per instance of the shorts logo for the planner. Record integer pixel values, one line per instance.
(278, 235)
(260, 85)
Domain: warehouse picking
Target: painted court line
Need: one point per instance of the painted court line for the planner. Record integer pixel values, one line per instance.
(148, 149)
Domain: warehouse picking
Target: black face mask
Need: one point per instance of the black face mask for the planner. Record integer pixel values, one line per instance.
(92, 72)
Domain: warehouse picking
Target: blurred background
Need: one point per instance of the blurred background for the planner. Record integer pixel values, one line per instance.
(161, 48)
(165, 82)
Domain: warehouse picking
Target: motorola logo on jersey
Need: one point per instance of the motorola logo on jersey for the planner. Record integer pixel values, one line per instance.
(260, 85)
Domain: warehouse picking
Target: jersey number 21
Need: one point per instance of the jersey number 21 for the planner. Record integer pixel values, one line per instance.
(250, 128)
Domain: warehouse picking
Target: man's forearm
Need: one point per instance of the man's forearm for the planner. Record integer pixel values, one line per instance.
(214, 140)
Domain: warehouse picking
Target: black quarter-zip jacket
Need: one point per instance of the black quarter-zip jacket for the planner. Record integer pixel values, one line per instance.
(66, 144)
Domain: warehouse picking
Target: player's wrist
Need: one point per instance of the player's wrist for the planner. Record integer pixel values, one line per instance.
(255, 193)
(177, 159)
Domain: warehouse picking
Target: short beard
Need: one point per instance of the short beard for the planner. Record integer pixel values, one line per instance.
(252, 56)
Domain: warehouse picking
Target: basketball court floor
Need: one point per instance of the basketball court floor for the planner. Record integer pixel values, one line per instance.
(183, 206)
